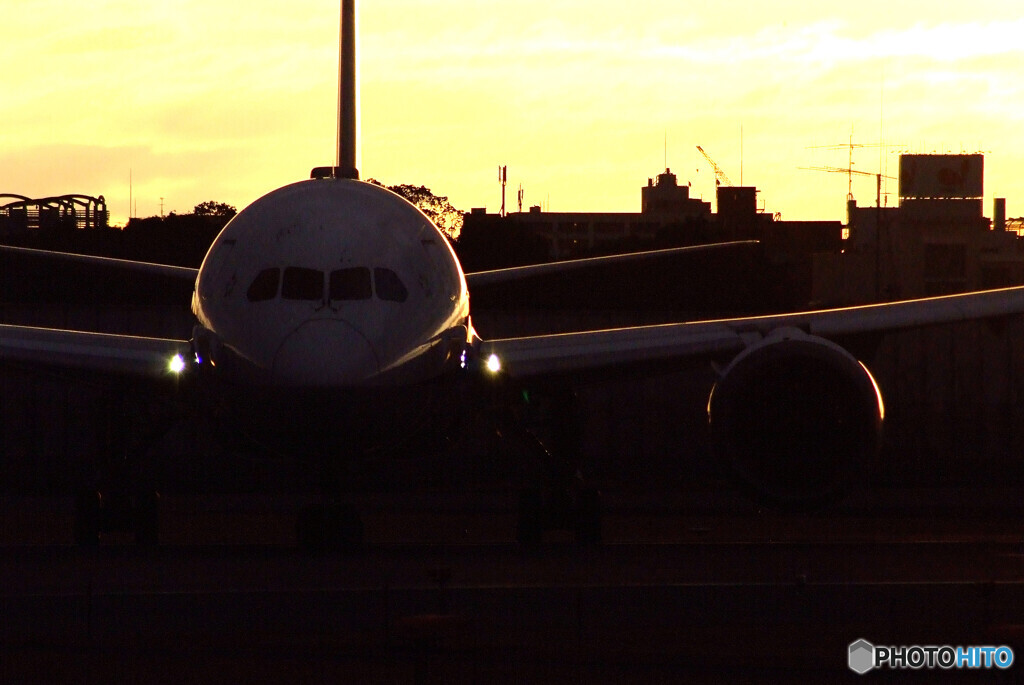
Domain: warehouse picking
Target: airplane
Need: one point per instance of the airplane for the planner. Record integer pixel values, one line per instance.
(333, 310)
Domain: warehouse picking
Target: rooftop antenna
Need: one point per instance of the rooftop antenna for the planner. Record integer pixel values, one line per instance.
(348, 100)
(520, 197)
(849, 170)
(503, 180)
(883, 162)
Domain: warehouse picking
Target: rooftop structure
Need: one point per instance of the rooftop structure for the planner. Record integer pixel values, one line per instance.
(668, 215)
(936, 242)
(20, 214)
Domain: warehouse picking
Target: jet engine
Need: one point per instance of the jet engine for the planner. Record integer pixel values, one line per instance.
(796, 418)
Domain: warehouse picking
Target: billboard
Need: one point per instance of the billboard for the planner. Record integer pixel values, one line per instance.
(942, 176)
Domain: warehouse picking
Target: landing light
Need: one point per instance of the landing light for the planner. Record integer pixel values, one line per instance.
(177, 364)
(493, 364)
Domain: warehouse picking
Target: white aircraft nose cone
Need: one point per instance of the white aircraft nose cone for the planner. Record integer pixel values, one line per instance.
(325, 352)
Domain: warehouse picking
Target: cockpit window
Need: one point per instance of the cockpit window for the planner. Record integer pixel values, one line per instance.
(299, 283)
(389, 285)
(302, 284)
(351, 284)
(264, 286)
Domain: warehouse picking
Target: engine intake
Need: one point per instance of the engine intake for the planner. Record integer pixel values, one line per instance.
(796, 419)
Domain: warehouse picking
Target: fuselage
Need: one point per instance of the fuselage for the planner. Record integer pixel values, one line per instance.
(330, 283)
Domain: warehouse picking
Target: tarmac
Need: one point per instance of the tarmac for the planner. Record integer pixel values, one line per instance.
(696, 588)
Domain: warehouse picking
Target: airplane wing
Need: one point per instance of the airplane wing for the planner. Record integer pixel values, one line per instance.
(794, 417)
(122, 354)
(569, 352)
(182, 272)
(486, 278)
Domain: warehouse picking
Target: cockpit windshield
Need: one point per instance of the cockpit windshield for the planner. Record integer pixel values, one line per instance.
(389, 285)
(350, 284)
(264, 286)
(302, 284)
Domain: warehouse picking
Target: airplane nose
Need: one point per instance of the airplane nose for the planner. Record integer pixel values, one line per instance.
(325, 352)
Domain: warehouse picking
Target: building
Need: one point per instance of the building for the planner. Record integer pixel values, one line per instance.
(668, 216)
(665, 197)
(571, 234)
(936, 242)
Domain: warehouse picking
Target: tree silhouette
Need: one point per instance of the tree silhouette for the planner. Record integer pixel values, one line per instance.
(211, 208)
(437, 208)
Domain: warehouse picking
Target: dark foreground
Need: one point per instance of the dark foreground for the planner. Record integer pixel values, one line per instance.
(719, 592)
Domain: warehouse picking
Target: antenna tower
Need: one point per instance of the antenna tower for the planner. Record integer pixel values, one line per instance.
(503, 180)
(849, 170)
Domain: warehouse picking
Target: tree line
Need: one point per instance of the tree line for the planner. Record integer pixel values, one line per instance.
(183, 239)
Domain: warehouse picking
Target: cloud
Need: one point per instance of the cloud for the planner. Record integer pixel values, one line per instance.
(204, 100)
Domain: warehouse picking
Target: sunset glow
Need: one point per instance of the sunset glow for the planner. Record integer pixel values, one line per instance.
(225, 101)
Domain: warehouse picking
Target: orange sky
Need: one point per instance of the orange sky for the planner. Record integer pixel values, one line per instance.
(225, 101)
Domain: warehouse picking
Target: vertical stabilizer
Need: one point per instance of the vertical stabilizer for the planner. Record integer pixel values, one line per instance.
(348, 94)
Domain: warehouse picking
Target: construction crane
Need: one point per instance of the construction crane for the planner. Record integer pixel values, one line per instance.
(720, 177)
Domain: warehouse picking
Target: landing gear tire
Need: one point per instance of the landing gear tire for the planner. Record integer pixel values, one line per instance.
(588, 517)
(329, 527)
(530, 523)
(145, 517)
(579, 512)
(87, 518)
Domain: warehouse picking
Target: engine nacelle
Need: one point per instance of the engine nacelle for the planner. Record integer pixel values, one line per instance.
(796, 418)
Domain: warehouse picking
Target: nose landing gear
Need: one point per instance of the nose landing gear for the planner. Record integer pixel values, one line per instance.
(329, 525)
(117, 510)
(554, 495)
(576, 509)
